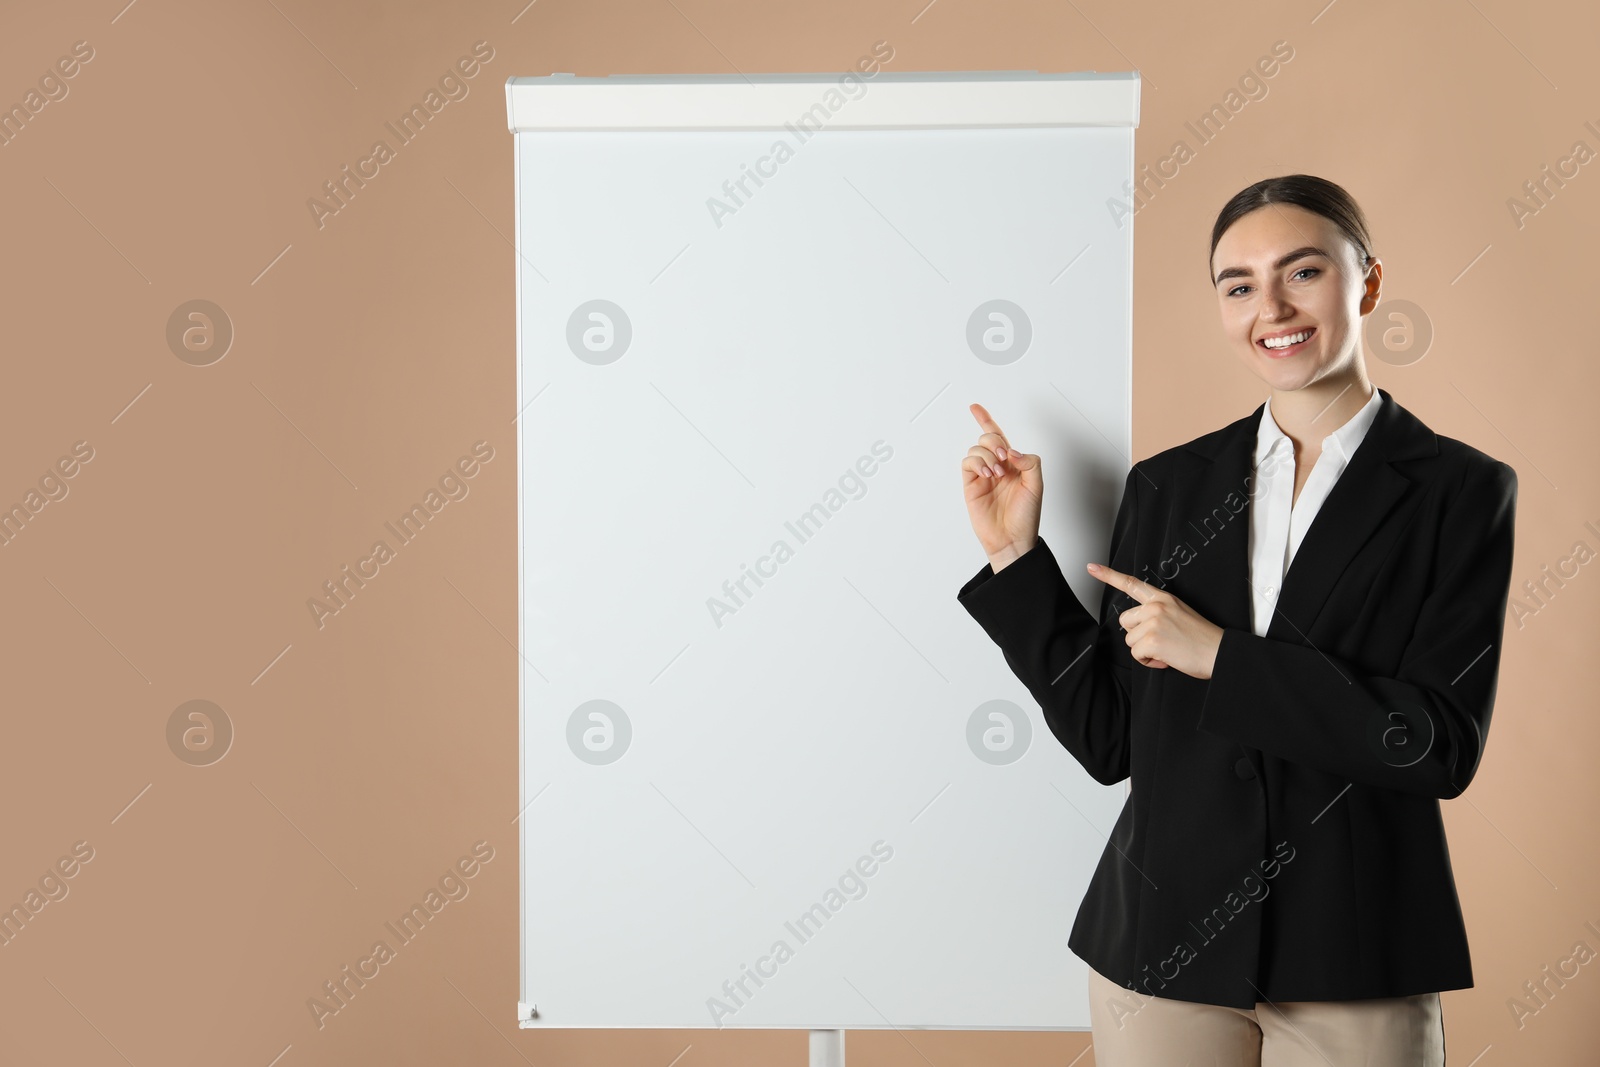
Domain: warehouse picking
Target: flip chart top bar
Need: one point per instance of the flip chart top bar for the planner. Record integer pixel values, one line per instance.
(842, 101)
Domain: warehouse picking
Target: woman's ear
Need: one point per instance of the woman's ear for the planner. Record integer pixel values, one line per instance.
(1374, 285)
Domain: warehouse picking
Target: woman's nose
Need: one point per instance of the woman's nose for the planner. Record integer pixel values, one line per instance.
(1274, 307)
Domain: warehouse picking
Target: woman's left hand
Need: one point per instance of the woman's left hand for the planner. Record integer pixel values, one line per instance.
(1163, 631)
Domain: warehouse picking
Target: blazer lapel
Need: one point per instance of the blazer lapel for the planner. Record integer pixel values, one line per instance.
(1219, 467)
(1206, 543)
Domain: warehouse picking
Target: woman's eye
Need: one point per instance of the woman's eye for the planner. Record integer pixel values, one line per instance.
(1302, 270)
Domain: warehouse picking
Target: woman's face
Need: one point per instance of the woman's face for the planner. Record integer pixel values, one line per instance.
(1282, 270)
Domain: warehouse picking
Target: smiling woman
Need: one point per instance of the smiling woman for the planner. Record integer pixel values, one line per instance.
(1325, 669)
(1295, 279)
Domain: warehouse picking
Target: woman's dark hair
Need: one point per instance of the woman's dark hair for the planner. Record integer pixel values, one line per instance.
(1306, 191)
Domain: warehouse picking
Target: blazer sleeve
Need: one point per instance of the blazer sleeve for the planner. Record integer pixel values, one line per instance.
(1077, 666)
(1420, 732)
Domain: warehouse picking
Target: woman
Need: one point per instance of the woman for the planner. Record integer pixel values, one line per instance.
(1295, 660)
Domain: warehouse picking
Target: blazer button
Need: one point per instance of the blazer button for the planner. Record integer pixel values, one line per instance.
(1244, 770)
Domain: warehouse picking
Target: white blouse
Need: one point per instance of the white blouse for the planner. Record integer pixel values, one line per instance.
(1278, 521)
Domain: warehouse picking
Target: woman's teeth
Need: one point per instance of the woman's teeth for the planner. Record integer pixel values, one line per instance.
(1279, 343)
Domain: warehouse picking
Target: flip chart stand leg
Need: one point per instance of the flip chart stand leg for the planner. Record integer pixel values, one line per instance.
(827, 1048)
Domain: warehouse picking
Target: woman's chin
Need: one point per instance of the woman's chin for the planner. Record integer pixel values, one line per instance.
(1283, 375)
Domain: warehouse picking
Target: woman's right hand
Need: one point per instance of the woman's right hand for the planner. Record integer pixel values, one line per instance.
(1004, 489)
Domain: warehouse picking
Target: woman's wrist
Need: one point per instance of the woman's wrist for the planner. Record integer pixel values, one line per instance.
(1002, 559)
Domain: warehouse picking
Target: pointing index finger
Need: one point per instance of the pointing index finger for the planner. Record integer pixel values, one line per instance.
(1134, 587)
(985, 421)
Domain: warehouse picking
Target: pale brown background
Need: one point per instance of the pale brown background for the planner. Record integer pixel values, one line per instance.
(373, 753)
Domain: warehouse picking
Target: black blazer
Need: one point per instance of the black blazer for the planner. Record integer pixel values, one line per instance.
(1282, 840)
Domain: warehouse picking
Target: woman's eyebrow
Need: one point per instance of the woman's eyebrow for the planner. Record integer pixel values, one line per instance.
(1246, 272)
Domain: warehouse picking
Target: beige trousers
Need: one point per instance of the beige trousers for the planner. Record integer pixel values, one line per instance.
(1135, 1030)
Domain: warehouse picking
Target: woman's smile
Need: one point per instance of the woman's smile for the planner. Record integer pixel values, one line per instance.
(1290, 350)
